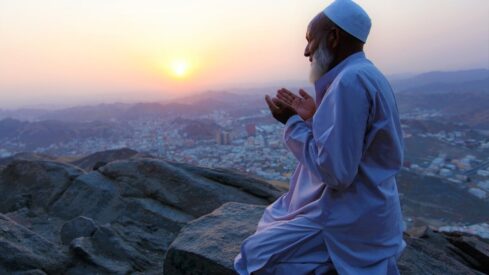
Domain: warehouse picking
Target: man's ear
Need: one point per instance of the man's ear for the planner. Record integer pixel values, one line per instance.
(334, 38)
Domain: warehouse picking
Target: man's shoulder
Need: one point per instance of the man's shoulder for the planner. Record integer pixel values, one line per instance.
(363, 68)
(365, 73)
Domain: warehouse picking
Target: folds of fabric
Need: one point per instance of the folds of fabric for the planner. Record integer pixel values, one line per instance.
(342, 206)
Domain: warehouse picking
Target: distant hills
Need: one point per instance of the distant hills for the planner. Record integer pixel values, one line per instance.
(47, 132)
(187, 107)
(460, 95)
(443, 79)
(435, 201)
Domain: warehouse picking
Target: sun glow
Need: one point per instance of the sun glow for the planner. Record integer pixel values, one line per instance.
(180, 68)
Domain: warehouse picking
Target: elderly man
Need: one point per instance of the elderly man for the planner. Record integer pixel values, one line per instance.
(342, 212)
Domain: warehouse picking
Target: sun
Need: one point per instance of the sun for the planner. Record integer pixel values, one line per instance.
(180, 68)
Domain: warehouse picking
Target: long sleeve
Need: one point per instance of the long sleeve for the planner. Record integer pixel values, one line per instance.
(333, 146)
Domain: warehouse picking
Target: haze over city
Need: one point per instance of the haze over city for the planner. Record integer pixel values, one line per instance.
(65, 53)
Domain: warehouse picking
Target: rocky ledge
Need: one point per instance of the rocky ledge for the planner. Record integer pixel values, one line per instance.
(137, 214)
(209, 244)
(120, 218)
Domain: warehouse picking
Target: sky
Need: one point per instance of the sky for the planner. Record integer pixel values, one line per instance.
(70, 52)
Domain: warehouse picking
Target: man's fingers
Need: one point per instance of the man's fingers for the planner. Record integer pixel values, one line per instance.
(270, 103)
(279, 103)
(284, 98)
(304, 94)
(287, 93)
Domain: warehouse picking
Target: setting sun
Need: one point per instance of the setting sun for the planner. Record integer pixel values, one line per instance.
(180, 68)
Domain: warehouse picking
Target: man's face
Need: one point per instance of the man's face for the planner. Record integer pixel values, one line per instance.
(313, 38)
(317, 49)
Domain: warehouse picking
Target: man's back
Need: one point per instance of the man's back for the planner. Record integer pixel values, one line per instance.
(366, 213)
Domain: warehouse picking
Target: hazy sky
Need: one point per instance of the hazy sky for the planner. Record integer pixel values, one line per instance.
(87, 51)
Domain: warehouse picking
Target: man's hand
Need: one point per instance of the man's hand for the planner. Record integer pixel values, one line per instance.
(280, 111)
(303, 105)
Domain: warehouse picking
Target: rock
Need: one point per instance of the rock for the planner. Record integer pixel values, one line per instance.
(127, 217)
(109, 251)
(30, 272)
(434, 254)
(34, 184)
(99, 164)
(91, 195)
(141, 203)
(25, 156)
(99, 159)
(417, 232)
(247, 183)
(78, 227)
(180, 188)
(474, 247)
(209, 244)
(22, 250)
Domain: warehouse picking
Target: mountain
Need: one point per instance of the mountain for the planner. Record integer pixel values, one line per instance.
(447, 79)
(460, 96)
(47, 132)
(87, 113)
(196, 105)
(137, 214)
(23, 113)
(196, 129)
(470, 107)
(436, 202)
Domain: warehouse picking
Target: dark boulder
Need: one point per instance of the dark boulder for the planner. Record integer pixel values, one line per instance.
(22, 250)
(34, 184)
(209, 244)
(120, 218)
(78, 227)
(99, 159)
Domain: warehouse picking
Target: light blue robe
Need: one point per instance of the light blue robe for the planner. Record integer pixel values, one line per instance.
(342, 208)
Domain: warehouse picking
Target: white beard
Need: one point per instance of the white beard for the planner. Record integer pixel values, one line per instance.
(321, 61)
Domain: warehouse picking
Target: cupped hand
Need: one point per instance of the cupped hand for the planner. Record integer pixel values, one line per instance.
(280, 110)
(303, 105)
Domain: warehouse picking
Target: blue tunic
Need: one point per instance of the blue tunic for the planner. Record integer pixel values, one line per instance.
(342, 210)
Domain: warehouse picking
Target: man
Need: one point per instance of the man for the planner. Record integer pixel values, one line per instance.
(342, 212)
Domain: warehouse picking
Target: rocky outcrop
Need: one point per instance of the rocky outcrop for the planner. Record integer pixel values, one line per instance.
(441, 253)
(78, 227)
(99, 159)
(24, 156)
(209, 244)
(120, 218)
(134, 214)
(34, 184)
(23, 250)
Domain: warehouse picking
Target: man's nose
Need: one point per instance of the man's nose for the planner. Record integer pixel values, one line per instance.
(306, 52)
